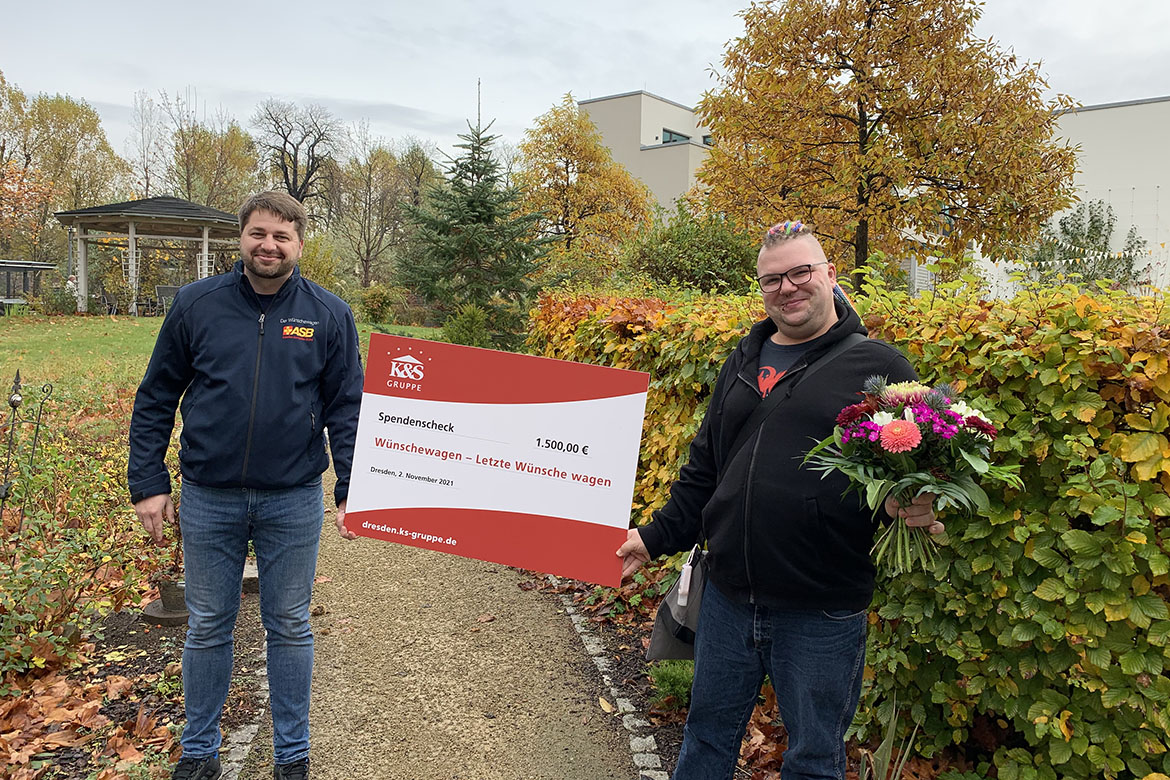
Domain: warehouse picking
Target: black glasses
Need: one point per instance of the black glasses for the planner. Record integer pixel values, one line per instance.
(798, 275)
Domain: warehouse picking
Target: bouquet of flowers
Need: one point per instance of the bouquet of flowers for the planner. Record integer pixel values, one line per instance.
(907, 440)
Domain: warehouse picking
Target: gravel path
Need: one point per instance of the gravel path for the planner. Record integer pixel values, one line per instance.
(431, 666)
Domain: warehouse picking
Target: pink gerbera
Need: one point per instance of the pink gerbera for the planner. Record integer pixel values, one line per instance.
(900, 436)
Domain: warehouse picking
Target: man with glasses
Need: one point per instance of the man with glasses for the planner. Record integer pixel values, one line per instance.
(790, 577)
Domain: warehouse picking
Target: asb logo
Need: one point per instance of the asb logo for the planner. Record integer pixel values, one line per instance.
(298, 332)
(406, 367)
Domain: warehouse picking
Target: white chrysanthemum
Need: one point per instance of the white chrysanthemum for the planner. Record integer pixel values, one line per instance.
(961, 407)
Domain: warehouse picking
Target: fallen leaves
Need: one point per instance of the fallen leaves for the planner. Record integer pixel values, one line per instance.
(605, 705)
(124, 749)
(482, 619)
(84, 714)
(55, 712)
(668, 713)
(338, 624)
(765, 740)
(116, 685)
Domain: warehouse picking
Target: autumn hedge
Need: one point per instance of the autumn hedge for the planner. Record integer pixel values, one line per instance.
(1039, 644)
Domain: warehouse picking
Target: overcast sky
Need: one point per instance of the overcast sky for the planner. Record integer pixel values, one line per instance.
(410, 68)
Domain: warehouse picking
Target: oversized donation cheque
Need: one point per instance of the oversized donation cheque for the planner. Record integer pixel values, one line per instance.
(515, 459)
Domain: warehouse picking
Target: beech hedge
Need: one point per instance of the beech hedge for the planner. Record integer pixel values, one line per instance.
(1038, 646)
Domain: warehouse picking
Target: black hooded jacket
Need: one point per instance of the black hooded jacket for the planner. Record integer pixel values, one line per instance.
(777, 533)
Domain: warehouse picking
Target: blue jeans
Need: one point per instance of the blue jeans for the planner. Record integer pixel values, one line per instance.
(285, 529)
(815, 661)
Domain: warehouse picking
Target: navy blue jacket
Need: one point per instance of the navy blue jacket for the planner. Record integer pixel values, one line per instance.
(258, 389)
(777, 533)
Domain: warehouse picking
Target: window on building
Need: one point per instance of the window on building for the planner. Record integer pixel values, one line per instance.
(709, 140)
(669, 136)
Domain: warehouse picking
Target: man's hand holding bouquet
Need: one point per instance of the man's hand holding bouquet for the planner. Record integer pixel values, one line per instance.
(907, 441)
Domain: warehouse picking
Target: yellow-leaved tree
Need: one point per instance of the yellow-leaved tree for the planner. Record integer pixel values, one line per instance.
(588, 204)
(887, 124)
(214, 161)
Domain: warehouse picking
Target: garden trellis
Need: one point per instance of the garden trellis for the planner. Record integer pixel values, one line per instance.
(14, 436)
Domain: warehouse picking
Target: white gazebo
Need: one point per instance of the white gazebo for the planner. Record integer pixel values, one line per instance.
(161, 219)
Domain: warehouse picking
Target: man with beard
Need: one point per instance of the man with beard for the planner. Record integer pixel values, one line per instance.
(264, 361)
(790, 577)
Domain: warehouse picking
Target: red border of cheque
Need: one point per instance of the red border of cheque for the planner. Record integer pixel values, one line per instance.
(435, 371)
(567, 548)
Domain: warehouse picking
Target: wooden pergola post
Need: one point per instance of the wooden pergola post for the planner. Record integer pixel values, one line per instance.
(82, 271)
(205, 258)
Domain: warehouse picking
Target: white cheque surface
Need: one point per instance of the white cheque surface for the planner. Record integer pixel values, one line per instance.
(569, 460)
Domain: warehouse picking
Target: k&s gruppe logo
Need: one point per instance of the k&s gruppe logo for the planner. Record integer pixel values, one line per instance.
(406, 367)
(406, 373)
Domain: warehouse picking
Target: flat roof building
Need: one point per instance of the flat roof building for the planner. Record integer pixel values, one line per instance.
(1124, 160)
(657, 140)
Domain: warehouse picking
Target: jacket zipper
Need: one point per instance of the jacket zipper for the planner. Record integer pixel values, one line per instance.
(255, 393)
(747, 493)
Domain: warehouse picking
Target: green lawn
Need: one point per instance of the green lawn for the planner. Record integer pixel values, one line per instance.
(107, 350)
(414, 331)
(76, 350)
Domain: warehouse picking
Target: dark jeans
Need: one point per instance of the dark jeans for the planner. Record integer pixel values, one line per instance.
(814, 659)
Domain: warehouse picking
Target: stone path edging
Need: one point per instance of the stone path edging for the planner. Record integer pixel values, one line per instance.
(643, 747)
(236, 748)
(238, 745)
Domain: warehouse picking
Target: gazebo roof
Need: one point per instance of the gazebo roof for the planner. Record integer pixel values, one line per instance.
(24, 265)
(161, 214)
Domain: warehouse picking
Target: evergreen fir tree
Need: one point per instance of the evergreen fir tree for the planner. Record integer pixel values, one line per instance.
(471, 246)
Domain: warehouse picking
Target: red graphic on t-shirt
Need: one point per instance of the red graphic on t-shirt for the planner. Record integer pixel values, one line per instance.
(768, 379)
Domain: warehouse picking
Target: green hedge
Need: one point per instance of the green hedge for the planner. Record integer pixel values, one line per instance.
(1043, 637)
(1038, 645)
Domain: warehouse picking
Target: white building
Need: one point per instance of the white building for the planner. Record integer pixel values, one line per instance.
(1124, 160)
(657, 140)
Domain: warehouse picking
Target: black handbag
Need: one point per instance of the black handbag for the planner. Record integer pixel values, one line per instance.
(677, 619)
(673, 636)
